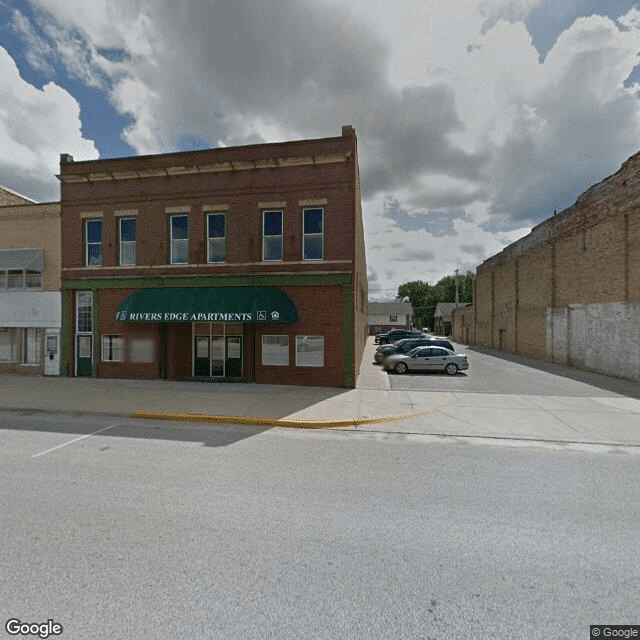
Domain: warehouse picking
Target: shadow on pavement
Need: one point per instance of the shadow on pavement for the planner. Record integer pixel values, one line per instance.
(77, 425)
(607, 383)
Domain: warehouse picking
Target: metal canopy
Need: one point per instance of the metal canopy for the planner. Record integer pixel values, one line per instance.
(208, 304)
(22, 259)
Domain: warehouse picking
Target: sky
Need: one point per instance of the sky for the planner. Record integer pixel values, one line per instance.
(476, 119)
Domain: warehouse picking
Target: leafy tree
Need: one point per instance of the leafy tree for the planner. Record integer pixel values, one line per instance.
(424, 297)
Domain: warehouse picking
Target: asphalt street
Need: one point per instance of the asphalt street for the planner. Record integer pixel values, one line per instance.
(118, 528)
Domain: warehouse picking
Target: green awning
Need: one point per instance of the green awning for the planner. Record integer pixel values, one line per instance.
(208, 304)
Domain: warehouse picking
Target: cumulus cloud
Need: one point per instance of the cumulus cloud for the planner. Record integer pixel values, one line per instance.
(34, 126)
(462, 124)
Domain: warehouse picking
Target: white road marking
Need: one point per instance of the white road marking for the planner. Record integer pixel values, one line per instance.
(74, 440)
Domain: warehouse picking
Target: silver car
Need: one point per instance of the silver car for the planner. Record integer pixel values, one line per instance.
(427, 359)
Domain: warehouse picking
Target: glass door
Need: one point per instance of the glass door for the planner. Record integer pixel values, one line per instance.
(234, 357)
(217, 356)
(201, 360)
(83, 355)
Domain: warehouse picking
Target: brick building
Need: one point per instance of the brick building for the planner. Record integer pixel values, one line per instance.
(569, 292)
(242, 263)
(30, 301)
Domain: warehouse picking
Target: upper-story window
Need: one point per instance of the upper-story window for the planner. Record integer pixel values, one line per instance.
(216, 237)
(272, 235)
(93, 243)
(21, 268)
(179, 239)
(127, 233)
(313, 234)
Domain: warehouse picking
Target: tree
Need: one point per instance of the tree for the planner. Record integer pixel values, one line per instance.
(424, 297)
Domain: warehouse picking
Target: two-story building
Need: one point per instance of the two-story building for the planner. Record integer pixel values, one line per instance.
(243, 263)
(30, 299)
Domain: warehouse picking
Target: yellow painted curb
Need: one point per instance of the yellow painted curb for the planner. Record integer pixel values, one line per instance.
(278, 422)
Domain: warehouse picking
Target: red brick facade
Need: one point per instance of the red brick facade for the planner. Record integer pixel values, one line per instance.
(329, 294)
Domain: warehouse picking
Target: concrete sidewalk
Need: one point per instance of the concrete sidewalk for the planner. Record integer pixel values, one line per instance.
(372, 406)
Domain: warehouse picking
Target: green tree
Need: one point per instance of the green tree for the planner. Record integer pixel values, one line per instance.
(424, 297)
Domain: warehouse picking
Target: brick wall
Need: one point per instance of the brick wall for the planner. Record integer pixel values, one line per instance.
(242, 182)
(34, 225)
(554, 293)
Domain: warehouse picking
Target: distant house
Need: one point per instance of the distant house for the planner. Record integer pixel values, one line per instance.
(384, 316)
(442, 317)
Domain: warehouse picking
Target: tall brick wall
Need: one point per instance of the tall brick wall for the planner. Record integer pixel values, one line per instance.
(561, 292)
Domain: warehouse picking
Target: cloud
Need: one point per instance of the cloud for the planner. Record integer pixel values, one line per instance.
(462, 124)
(34, 126)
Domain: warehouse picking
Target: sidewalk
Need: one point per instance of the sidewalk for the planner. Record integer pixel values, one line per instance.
(371, 406)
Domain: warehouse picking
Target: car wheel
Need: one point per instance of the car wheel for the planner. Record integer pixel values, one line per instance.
(401, 367)
(451, 369)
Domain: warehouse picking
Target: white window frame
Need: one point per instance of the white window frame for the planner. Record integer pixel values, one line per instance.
(126, 243)
(112, 345)
(88, 295)
(223, 238)
(182, 240)
(285, 340)
(87, 244)
(312, 235)
(271, 236)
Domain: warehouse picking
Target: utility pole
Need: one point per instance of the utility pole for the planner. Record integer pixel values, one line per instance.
(457, 294)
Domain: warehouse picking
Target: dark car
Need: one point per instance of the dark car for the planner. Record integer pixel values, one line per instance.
(395, 335)
(406, 345)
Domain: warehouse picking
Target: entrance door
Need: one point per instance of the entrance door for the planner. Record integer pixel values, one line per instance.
(51, 355)
(234, 357)
(217, 357)
(84, 346)
(201, 358)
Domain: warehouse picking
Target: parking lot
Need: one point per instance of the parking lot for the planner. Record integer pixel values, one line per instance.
(492, 371)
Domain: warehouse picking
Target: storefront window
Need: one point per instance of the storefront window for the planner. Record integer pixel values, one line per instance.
(309, 351)
(275, 350)
(112, 349)
(31, 346)
(8, 344)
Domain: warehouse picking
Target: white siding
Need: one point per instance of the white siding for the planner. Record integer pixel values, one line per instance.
(30, 309)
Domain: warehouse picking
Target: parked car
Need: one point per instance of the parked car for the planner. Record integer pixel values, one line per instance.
(396, 334)
(406, 345)
(427, 359)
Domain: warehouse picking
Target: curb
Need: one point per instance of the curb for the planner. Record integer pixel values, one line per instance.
(279, 422)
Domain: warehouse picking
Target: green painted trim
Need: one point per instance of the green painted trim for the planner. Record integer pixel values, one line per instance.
(95, 335)
(204, 281)
(65, 348)
(347, 333)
